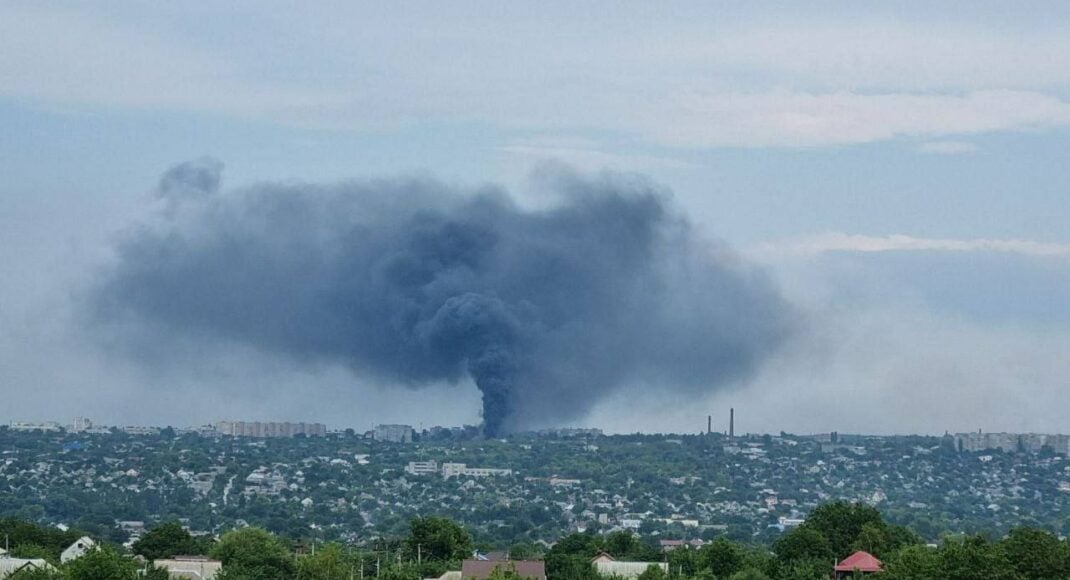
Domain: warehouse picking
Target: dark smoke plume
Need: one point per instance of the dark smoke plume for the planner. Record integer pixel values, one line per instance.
(413, 282)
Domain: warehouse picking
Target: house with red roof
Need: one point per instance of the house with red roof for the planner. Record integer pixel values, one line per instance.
(860, 561)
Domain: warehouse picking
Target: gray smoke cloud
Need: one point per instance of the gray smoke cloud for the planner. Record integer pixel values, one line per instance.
(413, 282)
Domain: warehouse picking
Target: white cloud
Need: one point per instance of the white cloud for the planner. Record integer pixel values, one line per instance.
(588, 155)
(891, 55)
(947, 147)
(789, 119)
(675, 81)
(841, 242)
(65, 57)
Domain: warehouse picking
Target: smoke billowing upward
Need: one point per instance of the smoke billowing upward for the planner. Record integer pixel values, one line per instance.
(413, 282)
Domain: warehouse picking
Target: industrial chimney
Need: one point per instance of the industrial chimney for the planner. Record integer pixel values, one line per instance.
(731, 422)
(709, 424)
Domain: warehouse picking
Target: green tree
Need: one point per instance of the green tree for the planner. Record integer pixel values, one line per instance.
(899, 537)
(974, 558)
(873, 539)
(34, 551)
(434, 538)
(722, 557)
(400, 572)
(328, 563)
(841, 522)
(101, 562)
(802, 544)
(253, 554)
(749, 574)
(1036, 554)
(653, 572)
(164, 541)
(38, 574)
(523, 551)
(806, 570)
(915, 562)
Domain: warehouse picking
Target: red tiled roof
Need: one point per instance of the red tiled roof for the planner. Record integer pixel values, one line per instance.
(861, 561)
(481, 569)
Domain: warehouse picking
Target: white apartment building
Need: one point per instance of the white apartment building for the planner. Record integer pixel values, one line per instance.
(422, 467)
(32, 426)
(461, 469)
(270, 429)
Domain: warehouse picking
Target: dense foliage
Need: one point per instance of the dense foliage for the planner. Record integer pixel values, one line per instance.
(807, 552)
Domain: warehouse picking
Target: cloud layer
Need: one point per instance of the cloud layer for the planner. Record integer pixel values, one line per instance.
(841, 242)
(742, 80)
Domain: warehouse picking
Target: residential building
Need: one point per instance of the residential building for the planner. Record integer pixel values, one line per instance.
(11, 566)
(670, 545)
(422, 467)
(138, 430)
(607, 566)
(394, 433)
(1011, 442)
(482, 569)
(77, 549)
(461, 469)
(858, 563)
(270, 429)
(194, 567)
(80, 425)
(32, 426)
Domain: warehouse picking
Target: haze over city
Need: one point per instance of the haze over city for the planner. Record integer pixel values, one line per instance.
(615, 216)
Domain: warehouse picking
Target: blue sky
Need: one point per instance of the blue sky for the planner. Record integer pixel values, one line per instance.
(901, 169)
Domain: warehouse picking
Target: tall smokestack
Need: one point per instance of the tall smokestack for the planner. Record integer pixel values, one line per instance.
(709, 424)
(732, 422)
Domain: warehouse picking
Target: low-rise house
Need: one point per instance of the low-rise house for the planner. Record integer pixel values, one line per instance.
(11, 566)
(482, 569)
(77, 549)
(194, 567)
(860, 562)
(607, 566)
(670, 545)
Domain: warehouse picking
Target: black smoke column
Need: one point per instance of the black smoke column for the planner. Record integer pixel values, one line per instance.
(412, 282)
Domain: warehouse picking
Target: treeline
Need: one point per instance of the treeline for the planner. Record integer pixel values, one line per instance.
(434, 545)
(832, 532)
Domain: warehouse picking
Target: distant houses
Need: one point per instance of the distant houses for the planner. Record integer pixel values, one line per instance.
(449, 470)
(670, 545)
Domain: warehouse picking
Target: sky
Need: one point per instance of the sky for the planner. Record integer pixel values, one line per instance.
(900, 171)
